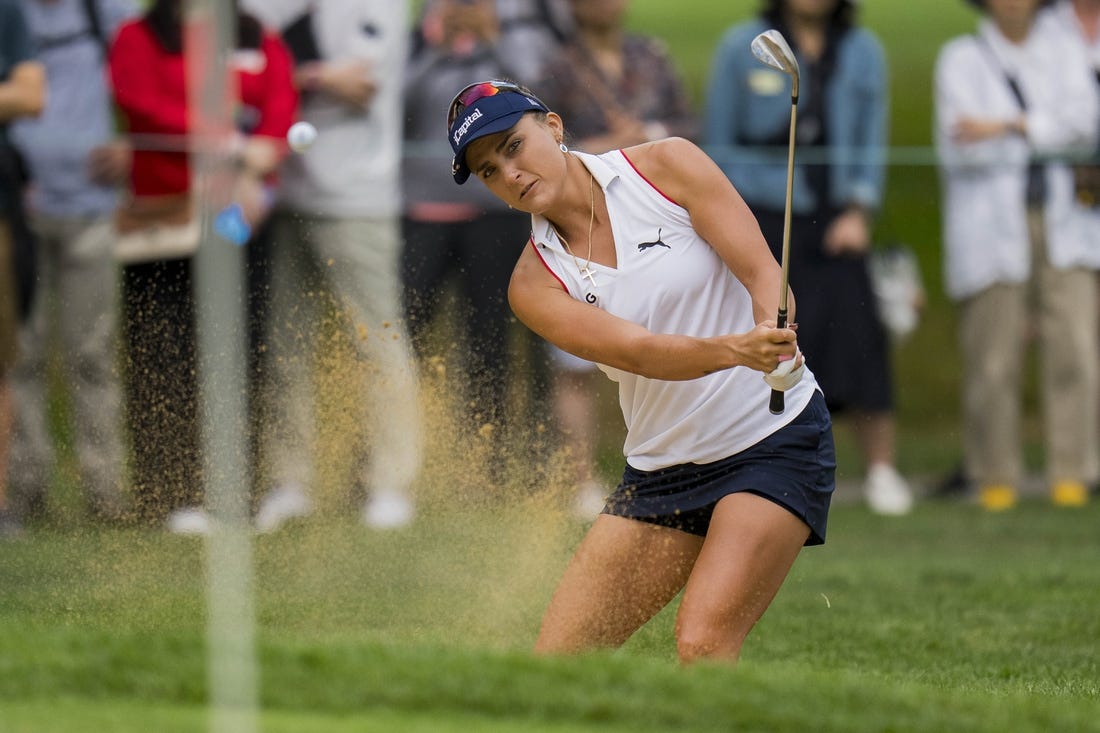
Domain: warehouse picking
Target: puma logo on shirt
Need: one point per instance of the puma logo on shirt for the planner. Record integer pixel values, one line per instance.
(656, 243)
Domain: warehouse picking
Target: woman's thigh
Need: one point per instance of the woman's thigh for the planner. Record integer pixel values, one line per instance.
(749, 549)
(622, 574)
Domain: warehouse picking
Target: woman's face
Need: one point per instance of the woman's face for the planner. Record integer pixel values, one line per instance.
(524, 166)
(812, 9)
(599, 14)
(1012, 11)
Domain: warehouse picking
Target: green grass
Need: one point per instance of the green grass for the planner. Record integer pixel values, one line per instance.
(949, 619)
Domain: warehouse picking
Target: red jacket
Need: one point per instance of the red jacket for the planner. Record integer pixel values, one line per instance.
(150, 90)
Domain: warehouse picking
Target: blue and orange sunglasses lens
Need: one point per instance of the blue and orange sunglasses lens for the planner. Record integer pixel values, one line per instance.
(475, 92)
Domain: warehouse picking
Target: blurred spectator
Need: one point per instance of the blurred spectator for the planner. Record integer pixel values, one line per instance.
(336, 249)
(531, 31)
(1007, 96)
(76, 166)
(838, 182)
(1079, 21)
(618, 88)
(158, 234)
(615, 89)
(455, 234)
(22, 94)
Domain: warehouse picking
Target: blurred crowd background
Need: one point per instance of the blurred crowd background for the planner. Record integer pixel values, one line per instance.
(945, 242)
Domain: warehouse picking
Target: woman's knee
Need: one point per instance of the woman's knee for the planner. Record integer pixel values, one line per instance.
(700, 636)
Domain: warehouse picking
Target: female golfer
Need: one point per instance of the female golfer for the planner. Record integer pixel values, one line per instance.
(646, 261)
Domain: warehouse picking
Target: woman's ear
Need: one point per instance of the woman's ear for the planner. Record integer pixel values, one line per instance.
(554, 122)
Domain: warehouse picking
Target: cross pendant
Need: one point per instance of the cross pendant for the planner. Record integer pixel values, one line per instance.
(586, 272)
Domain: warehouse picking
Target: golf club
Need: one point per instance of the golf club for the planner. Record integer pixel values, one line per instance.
(772, 49)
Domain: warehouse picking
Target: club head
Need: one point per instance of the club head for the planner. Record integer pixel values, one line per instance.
(771, 48)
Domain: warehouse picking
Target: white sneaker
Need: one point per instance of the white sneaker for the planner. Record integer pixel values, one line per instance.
(282, 504)
(589, 500)
(388, 510)
(886, 491)
(189, 520)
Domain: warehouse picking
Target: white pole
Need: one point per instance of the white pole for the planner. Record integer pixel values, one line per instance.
(209, 36)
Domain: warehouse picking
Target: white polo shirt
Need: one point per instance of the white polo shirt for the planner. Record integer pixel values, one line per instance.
(670, 280)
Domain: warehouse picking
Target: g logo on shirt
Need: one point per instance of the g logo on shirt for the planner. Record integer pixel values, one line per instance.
(590, 298)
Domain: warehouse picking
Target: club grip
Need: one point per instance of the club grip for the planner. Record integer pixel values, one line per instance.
(775, 405)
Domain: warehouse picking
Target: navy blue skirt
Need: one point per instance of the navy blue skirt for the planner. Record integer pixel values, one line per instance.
(794, 467)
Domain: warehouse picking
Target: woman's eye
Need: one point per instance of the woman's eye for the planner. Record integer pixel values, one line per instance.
(514, 146)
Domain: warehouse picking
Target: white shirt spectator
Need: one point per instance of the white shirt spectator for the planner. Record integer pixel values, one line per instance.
(985, 221)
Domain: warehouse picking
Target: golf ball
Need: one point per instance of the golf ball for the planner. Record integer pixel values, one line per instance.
(300, 136)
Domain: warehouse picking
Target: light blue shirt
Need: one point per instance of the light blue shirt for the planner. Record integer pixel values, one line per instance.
(748, 108)
(78, 115)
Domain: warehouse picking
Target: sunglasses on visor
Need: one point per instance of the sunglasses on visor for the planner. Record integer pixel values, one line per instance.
(475, 92)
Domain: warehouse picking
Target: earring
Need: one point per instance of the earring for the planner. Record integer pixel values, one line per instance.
(563, 148)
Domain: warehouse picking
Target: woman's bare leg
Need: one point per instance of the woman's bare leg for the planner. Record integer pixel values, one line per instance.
(623, 573)
(750, 547)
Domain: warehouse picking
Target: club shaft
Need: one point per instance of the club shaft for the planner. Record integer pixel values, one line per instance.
(785, 260)
(776, 405)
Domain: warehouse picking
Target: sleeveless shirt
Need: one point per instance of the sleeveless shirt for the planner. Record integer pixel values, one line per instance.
(670, 280)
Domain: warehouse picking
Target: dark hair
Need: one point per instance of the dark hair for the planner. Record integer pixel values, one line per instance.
(164, 18)
(844, 15)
